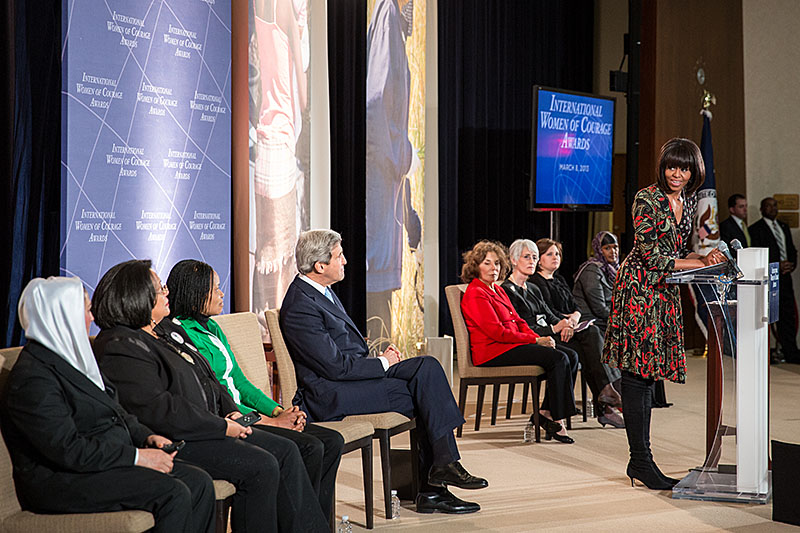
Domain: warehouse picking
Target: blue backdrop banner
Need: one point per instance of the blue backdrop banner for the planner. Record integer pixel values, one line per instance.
(146, 128)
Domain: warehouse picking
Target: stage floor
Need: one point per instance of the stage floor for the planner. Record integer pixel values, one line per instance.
(582, 487)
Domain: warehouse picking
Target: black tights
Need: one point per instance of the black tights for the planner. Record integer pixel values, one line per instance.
(561, 367)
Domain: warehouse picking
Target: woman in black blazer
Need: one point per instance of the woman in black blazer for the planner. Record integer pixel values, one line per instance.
(73, 447)
(589, 341)
(163, 379)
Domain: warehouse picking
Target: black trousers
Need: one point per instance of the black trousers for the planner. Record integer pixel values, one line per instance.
(561, 366)
(180, 501)
(589, 345)
(321, 450)
(273, 492)
(418, 388)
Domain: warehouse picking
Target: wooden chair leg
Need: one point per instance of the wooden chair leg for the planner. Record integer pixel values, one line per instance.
(509, 400)
(416, 474)
(536, 390)
(386, 468)
(479, 407)
(525, 398)
(366, 469)
(222, 509)
(462, 404)
(583, 395)
(495, 401)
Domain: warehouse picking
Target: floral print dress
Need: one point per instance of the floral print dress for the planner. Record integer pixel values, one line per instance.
(645, 328)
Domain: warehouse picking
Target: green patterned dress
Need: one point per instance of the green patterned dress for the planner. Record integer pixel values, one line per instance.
(645, 328)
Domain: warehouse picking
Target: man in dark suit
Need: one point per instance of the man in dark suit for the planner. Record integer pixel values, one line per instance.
(336, 377)
(768, 232)
(735, 226)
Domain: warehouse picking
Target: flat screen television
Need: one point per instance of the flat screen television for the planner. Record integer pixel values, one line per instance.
(572, 149)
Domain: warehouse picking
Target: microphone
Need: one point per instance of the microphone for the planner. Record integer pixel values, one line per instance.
(722, 247)
(736, 244)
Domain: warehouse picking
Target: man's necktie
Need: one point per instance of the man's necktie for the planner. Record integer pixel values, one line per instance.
(746, 233)
(778, 232)
(329, 295)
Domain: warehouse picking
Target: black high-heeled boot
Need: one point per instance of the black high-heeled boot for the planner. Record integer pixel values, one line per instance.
(648, 414)
(637, 399)
(647, 475)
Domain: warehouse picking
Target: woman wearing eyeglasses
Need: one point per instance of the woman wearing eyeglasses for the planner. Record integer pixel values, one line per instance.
(196, 299)
(169, 386)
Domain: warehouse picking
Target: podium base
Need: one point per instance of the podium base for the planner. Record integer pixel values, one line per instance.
(716, 486)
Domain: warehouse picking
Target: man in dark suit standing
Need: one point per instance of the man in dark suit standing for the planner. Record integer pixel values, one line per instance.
(735, 226)
(336, 377)
(775, 235)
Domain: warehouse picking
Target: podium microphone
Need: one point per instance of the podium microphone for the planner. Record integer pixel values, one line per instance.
(722, 247)
(736, 244)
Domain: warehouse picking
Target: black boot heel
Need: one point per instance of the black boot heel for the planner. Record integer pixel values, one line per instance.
(647, 475)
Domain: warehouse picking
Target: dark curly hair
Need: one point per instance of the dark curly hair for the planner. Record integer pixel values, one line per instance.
(474, 257)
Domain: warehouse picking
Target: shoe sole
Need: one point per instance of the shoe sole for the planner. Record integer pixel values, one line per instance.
(462, 487)
(431, 511)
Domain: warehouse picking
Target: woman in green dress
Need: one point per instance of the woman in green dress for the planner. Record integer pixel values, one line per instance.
(644, 338)
(195, 297)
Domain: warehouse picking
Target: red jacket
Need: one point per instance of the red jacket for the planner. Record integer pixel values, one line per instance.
(494, 326)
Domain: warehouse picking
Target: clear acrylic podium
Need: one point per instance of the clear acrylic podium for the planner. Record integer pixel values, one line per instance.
(749, 479)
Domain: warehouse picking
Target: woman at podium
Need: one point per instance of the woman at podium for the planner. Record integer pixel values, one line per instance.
(644, 338)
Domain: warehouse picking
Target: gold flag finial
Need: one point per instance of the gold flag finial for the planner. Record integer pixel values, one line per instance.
(708, 99)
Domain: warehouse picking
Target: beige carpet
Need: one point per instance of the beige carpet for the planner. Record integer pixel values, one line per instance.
(583, 487)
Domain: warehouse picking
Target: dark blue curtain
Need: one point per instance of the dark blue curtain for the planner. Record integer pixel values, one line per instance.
(491, 54)
(347, 67)
(31, 185)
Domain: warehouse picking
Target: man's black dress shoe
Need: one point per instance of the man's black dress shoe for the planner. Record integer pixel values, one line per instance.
(444, 502)
(455, 475)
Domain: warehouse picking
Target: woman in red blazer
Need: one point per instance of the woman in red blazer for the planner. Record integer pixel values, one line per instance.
(499, 337)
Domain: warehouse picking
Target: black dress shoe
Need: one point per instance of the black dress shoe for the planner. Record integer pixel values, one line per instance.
(566, 439)
(444, 502)
(455, 475)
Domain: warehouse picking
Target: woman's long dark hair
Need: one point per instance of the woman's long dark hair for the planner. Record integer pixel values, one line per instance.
(189, 284)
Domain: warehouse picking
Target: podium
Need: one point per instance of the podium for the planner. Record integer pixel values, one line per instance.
(749, 479)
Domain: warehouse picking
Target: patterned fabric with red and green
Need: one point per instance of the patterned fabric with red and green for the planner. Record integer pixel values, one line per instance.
(645, 329)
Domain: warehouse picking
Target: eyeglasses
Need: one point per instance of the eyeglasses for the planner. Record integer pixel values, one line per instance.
(163, 290)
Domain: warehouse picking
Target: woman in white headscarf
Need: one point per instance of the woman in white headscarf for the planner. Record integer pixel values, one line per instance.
(73, 447)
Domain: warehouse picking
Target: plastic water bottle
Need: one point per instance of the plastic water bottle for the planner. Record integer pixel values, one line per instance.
(395, 506)
(344, 526)
(527, 433)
